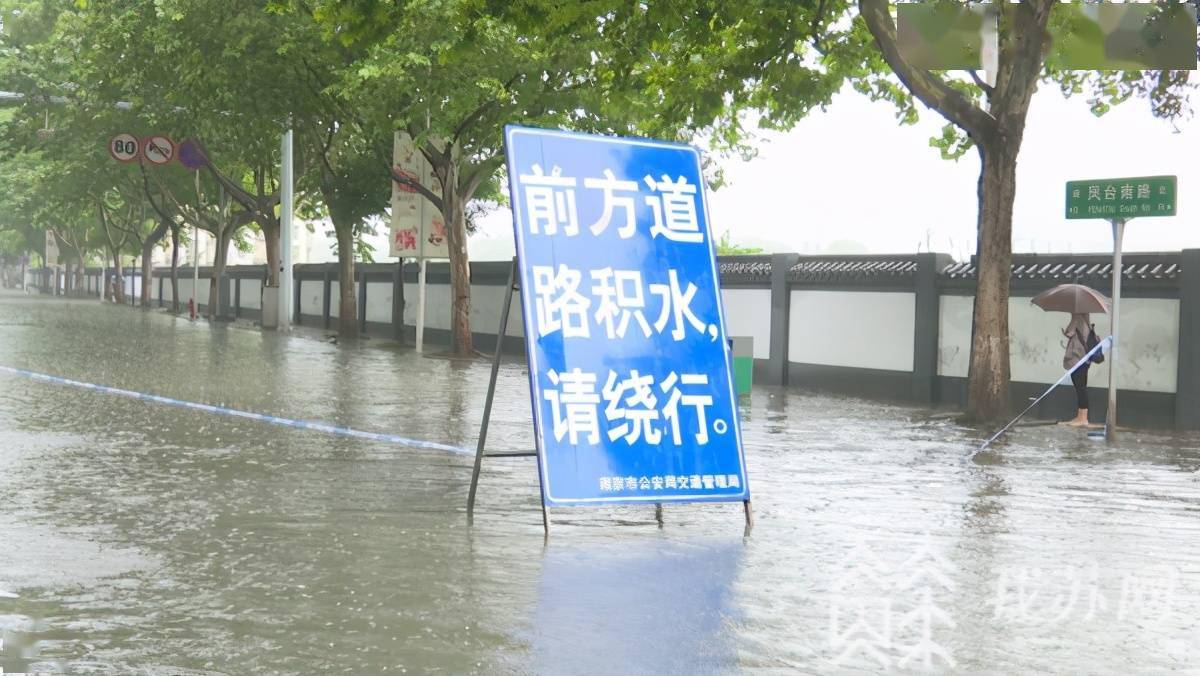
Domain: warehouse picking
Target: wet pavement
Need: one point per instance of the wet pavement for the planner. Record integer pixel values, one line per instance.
(148, 539)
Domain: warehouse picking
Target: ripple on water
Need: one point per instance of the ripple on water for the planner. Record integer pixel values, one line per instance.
(156, 540)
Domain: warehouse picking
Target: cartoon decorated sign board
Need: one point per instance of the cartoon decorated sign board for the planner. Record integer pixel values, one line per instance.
(51, 250)
(418, 230)
(631, 373)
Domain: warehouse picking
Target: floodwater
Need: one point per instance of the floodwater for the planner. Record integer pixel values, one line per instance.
(149, 539)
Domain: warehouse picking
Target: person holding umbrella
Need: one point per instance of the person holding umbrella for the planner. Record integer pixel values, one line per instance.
(1077, 332)
(1080, 301)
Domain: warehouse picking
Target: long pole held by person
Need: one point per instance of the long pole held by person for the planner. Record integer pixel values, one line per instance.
(1110, 420)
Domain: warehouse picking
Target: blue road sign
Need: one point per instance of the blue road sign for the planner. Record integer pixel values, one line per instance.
(630, 371)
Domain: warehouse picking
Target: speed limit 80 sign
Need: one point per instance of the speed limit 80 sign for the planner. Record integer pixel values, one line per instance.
(124, 147)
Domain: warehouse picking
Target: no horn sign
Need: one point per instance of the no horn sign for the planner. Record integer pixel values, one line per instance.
(158, 150)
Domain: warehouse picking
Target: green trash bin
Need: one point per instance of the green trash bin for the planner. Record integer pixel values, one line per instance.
(743, 363)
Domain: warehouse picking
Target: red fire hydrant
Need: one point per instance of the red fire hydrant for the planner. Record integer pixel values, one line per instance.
(192, 308)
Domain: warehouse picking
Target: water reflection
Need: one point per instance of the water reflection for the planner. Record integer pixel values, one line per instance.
(655, 607)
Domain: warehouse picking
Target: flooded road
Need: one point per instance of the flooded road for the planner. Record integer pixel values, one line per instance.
(148, 539)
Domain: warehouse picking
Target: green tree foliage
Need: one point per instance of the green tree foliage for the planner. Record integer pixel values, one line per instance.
(451, 75)
(726, 247)
(991, 117)
(346, 74)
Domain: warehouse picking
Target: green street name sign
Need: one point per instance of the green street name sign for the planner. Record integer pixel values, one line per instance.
(1113, 198)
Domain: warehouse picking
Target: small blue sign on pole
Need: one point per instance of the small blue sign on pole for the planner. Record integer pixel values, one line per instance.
(630, 369)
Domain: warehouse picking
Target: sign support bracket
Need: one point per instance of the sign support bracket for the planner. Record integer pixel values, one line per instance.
(480, 451)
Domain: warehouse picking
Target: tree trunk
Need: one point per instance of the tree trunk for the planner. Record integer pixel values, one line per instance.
(270, 232)
(347, 298)
(220, 257)
(988, 392)
(175, 269)
(148, 246)
(454, 213)
(118, 279)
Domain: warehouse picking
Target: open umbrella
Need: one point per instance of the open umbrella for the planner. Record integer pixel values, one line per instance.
(1074, 298)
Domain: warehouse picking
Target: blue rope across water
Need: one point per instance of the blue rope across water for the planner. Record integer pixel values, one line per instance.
(271, 419)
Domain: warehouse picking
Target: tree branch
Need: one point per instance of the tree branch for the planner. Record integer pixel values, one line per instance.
(196, 216)
(325, 149)
(930, 89)
(482, 171)
(987, 88)
(478, 112)
(159, 209)
(113, 248)
(425, 192)
(248, 201)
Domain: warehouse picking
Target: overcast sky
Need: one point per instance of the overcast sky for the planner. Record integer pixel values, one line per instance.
(851, 179)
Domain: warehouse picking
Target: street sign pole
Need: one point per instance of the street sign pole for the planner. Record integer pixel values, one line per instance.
(1110, 421)
(196, 258)
(286, 197)
(1117, 200)
(195, 270)
(421, 306)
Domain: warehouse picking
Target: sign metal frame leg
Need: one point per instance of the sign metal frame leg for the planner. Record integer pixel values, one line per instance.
(480, 448)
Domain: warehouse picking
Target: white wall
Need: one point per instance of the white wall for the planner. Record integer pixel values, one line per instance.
(748, 313)
(485, 304)
(1149, 342)
(132, 285)
(185, 290)
(485, 308)
(312, 297)
(251, 293)
(379, 302)
(437, 305)
(863, 329)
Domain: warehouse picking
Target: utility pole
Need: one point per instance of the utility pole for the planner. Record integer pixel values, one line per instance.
(286, 196)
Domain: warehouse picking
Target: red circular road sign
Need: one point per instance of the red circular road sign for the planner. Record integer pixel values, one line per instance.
(158, 149)
(124, 147)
